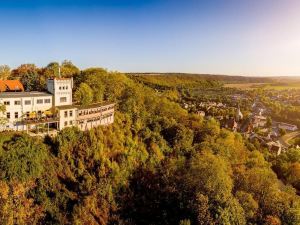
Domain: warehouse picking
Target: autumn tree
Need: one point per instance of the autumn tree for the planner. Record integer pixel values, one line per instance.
(84, 94)
(68, 69)
(4, 72)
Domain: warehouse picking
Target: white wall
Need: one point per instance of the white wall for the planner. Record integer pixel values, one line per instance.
(69, 120)
(22, 109)
(61, 88)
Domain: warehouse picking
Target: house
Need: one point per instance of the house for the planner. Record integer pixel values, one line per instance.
(255, 136)
(274, 147)
(286, 126)
(53, 108)
(246, 126)
(230, 124)
(258, 108)
(11, 86)
(201, 113)
(259, 121)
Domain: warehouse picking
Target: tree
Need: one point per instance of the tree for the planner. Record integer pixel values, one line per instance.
(269, 121)
(22, 158)
(3, 118)
(4, 72)
(84, 94)
(282, 132)
(51, 70)
(29, 76)
(68, 69)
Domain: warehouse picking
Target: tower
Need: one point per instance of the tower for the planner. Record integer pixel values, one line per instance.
(238, 115)
(61, 88)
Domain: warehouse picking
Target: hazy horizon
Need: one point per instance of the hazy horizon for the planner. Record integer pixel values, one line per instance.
(243, 38)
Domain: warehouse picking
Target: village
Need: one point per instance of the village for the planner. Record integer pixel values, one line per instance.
(255, 124)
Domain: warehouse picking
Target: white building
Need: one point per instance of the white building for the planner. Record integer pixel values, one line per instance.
(286, 126)
(50, 110)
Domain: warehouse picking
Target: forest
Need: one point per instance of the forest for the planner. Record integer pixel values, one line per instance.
(156, 164)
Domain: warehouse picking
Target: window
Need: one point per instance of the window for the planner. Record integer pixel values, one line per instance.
(47, 100)
(66, 114)
(71, 122)
(63, 87)
(66, 87)
(27, 102)
(66, 123)
(59, 87)
(71, 113)
(39, 101)
(63, 99)
(27, 114)
(6, 102)
(17, 102)
(16, 115)
(8, 115)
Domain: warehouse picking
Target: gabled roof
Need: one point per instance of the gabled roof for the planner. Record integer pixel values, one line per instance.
(11, 85)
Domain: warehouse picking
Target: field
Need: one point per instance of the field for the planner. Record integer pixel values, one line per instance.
(246, 85)
(274, 86)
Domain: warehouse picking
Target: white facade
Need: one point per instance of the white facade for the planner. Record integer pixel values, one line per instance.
(95, 115)
(286, 126)
(67, 117)
(19, 105)
(61, 88)
(25, 110)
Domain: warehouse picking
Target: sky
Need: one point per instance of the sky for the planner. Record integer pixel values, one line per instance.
(234, 37)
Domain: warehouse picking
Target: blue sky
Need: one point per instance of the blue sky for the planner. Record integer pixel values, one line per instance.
(257, 37)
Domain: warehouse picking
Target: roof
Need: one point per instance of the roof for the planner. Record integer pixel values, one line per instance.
(95, 105)
(59, 78)
(62, 107)
(24, 94)
(11, 85)
(286, 124)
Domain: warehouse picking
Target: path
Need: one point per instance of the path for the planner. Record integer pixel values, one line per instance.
(284, 140)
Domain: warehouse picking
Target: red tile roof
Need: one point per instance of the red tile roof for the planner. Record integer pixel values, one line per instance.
(11, 85)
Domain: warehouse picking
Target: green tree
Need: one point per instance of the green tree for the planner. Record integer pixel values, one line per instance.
(282, 132)
(4, 72)
(22, 158)
(84, 94)
(51, 70)
(269, 122)
(3, 118)
(68, 69)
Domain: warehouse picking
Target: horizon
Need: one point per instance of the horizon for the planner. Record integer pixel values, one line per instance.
(235, 38)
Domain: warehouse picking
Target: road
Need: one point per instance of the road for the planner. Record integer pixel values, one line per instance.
(284, 140)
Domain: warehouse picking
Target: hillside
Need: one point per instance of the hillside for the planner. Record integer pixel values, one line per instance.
(157, 164)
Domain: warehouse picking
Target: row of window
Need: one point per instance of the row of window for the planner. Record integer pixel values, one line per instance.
(63, 87)
(92, 111)
(28, 102)
(8, 114)
(70, 113)
(70, 123)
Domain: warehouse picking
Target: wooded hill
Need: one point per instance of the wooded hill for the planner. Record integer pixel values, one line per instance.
(157, 164)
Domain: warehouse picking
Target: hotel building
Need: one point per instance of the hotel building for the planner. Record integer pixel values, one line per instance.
(50, 110)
